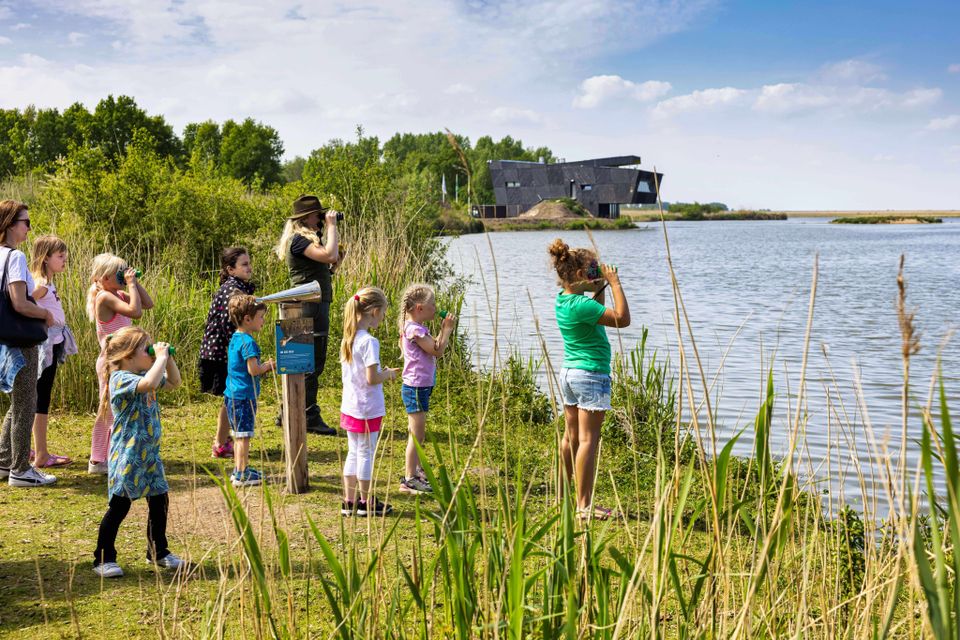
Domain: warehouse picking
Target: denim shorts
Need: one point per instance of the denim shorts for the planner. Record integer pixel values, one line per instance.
(416, 399)
(588, 390)
(242, 415)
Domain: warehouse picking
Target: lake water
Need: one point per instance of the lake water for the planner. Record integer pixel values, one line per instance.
(746, 285)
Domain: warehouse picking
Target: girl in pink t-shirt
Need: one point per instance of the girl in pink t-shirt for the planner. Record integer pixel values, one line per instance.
(362, 407)
(110, 309)
(420, 352)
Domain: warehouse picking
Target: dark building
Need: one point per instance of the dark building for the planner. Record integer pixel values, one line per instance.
(601, 185)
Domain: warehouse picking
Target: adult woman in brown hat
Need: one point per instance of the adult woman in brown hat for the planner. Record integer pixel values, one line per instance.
(310, 259)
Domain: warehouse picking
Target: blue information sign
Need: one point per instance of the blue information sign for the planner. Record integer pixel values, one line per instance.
(294, 338)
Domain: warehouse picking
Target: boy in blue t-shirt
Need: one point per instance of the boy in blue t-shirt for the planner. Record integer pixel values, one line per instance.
(243, 382)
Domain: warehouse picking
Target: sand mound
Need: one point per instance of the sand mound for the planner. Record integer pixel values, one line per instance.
(548, 210)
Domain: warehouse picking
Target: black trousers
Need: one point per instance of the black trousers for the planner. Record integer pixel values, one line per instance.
(110, 525)
(320, 312)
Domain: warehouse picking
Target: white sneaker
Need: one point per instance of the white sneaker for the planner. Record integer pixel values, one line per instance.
(31, 477)
(108, 570)
(97, 468)
(170, 561)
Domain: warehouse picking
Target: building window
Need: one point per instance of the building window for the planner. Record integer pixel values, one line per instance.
(586, 187)
(644, 187)
(512, 184)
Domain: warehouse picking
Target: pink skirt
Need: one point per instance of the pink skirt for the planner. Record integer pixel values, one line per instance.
(359, 425)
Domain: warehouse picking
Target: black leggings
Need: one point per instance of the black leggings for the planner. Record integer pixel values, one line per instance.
(320, 312)
(110, 525)
(45, 388)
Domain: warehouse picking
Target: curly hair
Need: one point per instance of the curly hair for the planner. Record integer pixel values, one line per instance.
(568, 262)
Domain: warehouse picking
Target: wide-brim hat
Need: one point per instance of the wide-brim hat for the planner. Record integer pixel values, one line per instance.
(305, 205)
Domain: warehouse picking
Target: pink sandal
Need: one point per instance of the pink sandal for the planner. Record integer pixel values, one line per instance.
(53, 460)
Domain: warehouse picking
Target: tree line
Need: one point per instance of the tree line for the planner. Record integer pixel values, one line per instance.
(35, 140)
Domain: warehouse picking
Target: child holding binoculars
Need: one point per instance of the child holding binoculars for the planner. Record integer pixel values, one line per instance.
(133, 377)
(110, 309)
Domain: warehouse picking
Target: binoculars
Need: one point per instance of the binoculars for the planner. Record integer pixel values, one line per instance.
(152, 351)
(594, 272)
(339, 216)
(123, 280)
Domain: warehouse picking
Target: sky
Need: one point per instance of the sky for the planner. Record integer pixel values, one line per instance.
(781, 105)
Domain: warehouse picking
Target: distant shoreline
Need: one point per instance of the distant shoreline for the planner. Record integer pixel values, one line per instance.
(906, 213)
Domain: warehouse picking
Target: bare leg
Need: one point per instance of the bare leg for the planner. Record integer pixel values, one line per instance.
(350, 489)
(364, 489)
(586, 456)
(417, 426)
(223, 427)
(40, 439)
(569, 445)
(241, 453)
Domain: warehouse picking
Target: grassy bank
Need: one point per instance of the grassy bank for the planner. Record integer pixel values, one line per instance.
(887, 220)
(563, 224)
(653, 216)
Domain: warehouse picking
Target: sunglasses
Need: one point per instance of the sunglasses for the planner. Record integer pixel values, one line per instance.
(25, 221)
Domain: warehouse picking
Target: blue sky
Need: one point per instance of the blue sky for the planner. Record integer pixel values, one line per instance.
(813, 105)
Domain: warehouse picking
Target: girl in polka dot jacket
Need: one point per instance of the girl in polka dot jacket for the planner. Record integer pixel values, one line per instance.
(235, 274)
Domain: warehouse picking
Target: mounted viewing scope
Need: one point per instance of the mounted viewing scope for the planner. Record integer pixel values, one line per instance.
(122, 279)
(151, 351)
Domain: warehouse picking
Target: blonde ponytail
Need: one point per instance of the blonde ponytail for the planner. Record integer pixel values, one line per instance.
(365, 301)
(117, 347)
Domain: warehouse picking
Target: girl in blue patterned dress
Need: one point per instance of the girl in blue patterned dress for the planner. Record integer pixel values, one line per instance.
(134, 467)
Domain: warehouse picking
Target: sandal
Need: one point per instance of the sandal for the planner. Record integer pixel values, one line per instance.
(53, 460)
(595, 513)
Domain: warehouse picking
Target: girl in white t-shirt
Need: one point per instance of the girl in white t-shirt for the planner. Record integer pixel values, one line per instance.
(49, 258)
(362, 408)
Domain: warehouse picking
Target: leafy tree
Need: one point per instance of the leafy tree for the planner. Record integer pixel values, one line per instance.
(251, 152)
(10, 149)
(293, 169)
(204, 139)
(115, 122)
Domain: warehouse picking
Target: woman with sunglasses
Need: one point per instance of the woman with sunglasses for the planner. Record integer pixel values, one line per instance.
(19, 364)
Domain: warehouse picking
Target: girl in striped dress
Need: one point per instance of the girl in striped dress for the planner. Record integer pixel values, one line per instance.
(110, 309)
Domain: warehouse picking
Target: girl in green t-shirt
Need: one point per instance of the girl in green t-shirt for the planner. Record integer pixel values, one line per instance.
(585, 376)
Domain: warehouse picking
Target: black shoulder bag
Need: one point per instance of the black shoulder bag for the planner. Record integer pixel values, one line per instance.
(16, 329)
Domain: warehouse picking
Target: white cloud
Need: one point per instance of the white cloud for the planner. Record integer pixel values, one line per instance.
(796, 98)
(943, 124)
(954, 68)
(5, 40)
(20, 26)
(76, 38)
(596, 90)
(851, 72)
(513, 115)
(702, 100)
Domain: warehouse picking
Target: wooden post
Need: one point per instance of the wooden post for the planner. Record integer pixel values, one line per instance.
(294, 417)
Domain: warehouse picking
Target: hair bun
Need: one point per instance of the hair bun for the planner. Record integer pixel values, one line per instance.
(559, 250)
